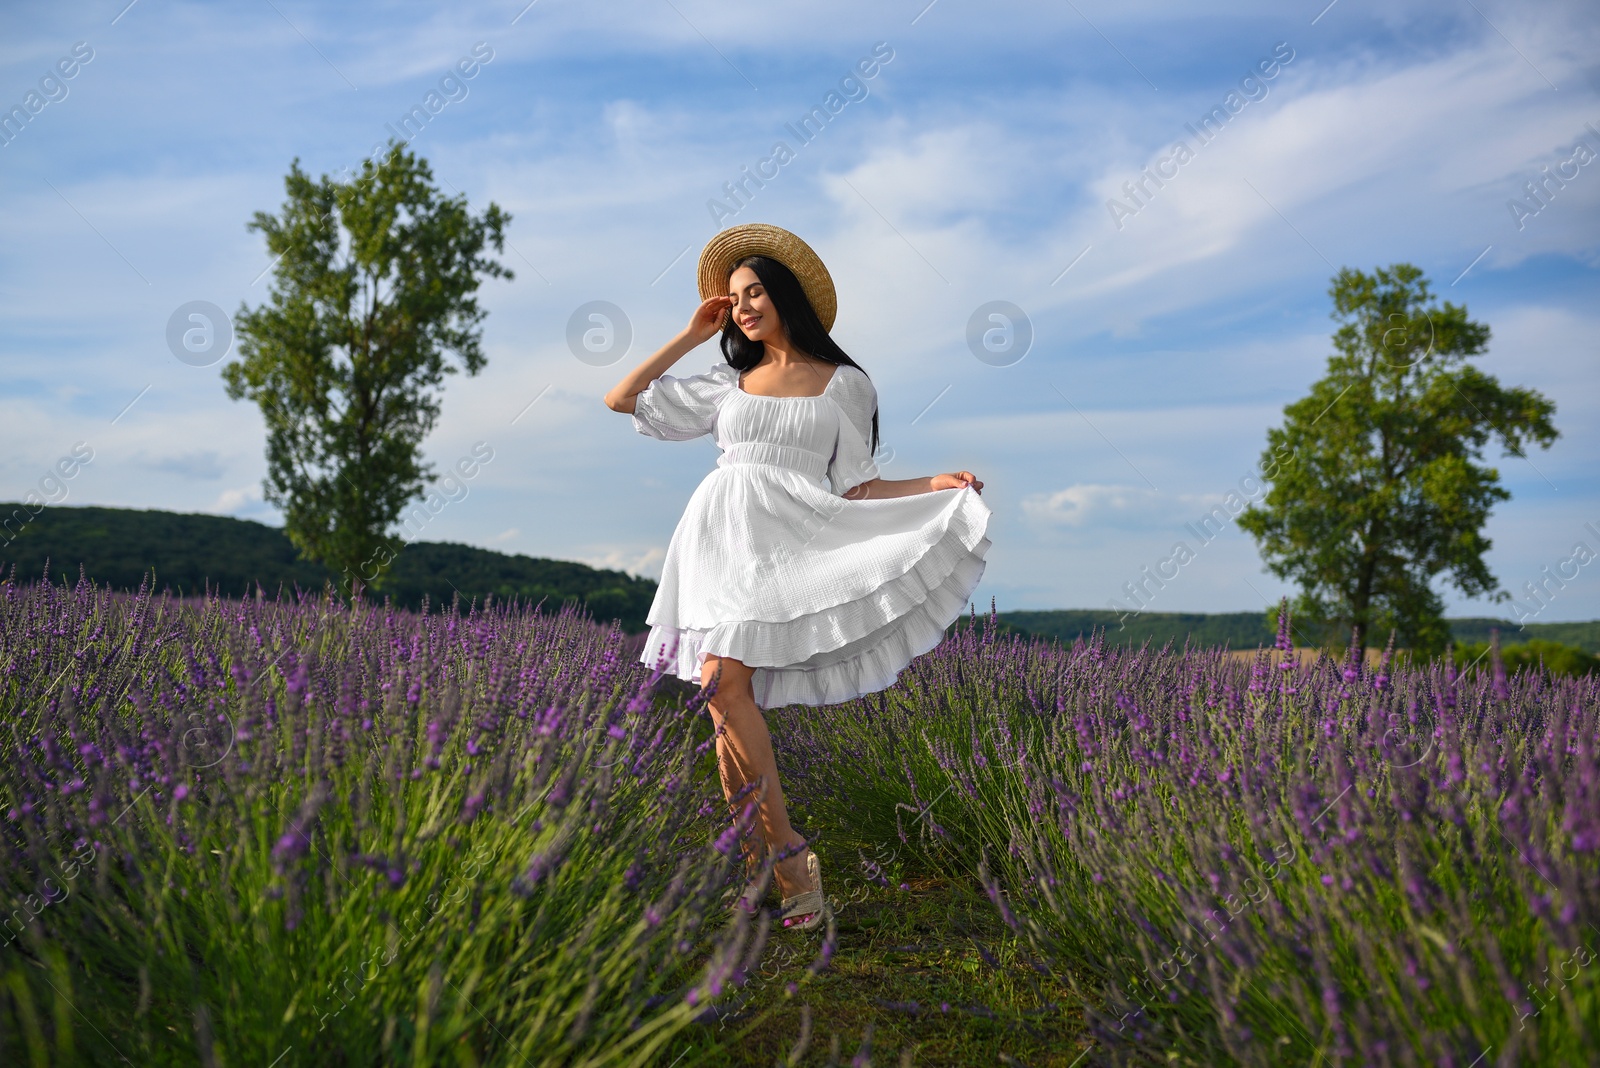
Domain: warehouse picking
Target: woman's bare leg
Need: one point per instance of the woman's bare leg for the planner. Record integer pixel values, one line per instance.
(744, 755)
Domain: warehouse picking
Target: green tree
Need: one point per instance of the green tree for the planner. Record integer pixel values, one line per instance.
(374, 288)
(1385, 489)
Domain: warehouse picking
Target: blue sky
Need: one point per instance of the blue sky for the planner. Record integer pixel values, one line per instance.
(975, 165)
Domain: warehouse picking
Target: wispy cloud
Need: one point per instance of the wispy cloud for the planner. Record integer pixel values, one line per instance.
(1088, 503)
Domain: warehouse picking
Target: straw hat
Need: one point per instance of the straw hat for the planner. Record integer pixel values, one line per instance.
(762, 239)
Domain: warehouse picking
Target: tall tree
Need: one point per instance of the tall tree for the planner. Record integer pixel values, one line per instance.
(1386, 489)
(374, 288)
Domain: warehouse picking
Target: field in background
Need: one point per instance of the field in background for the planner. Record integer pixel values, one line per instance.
(295, 833)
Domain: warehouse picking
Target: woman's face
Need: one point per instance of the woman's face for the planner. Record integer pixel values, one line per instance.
(752, 308)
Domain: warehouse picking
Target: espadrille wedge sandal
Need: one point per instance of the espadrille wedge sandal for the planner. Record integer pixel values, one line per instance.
(807, 911)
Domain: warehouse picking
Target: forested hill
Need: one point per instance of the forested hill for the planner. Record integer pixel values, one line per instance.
(189, 552)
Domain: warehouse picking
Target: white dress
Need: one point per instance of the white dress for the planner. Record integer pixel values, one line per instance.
(827, 598)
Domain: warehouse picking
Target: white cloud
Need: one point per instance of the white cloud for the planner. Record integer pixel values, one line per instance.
(645, 563)
(1359, 138)
(237, 500)
(1086, 502)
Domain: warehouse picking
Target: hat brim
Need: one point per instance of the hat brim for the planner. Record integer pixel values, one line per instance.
(763, 239)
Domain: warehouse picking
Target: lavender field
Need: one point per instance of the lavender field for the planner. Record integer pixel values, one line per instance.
(283, 832)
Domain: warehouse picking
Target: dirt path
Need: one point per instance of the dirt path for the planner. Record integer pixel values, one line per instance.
(926, 975)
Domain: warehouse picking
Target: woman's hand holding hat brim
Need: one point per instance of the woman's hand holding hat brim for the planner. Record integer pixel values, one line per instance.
(730, 246)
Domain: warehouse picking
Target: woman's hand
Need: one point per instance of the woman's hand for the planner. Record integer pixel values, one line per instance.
(957, 480)
(703, 325)
(706, 322)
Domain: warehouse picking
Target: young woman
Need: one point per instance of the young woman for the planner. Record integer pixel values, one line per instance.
(797, 575)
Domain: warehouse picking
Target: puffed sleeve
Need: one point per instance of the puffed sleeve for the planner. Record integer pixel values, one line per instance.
(677, 409)
(852, 462)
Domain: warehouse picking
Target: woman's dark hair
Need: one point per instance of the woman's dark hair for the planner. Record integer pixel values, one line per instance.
(799, 318)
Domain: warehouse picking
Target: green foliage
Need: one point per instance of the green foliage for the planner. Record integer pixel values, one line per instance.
(1558, 659)
(375, 284)
(231, 557)
(1388, 490)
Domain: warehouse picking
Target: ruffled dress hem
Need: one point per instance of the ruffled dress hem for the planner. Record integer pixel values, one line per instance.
(843, 651)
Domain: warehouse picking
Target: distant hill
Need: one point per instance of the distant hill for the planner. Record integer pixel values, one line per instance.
(189, 552)
(1246, 630)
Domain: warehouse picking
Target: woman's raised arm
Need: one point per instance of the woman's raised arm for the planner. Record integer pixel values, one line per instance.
(703, 325)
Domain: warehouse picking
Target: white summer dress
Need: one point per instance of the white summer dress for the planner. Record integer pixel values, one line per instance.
(827, 598)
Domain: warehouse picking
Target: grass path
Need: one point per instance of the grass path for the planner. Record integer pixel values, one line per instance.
(926, 975)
